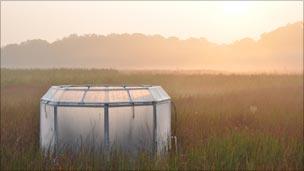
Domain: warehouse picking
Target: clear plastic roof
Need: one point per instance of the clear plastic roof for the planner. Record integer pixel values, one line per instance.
(81, 95)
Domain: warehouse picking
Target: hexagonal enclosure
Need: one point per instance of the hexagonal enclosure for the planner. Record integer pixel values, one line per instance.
(128, 118)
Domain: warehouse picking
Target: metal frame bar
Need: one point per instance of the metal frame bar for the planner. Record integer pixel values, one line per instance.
(104, 85)
(131, 101)
(108, 89)
(114, 104)
(40, 135)
(56, 129)
(106, 127)
(84, 94)
(154, 147)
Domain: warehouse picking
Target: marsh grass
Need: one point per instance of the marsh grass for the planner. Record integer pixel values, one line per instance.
(224, 121)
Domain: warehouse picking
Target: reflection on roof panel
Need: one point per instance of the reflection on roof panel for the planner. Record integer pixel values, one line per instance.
(92, 96)
(141, 95)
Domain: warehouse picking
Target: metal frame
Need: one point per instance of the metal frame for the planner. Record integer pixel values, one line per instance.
(154, 146)
(56, 129)
(106, 128)
(106, 105)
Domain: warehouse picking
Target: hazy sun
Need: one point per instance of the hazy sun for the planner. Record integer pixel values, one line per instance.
(235, 8)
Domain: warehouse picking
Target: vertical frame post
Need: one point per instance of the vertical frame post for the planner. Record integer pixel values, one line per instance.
(106, 127)
(40, 134)
(131, 101)
(55, 129)
(154, 147)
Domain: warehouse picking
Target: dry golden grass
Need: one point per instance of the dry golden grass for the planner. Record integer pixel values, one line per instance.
(224, 121)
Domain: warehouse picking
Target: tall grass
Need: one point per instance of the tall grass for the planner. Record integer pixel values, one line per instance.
(224, 121)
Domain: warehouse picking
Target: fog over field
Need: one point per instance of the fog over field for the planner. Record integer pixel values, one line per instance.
(224, 122)
(280, 50)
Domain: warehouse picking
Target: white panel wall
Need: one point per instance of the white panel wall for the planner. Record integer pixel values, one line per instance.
(80, 125)
(131, 128)
(163, 129)
(47, 136)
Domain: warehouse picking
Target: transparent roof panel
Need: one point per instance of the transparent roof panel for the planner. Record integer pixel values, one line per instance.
(105, 94)
(57, 95)
(134, 87)
(71, 96)
(78, 87)
(158, 93)
(141, 95)
(118, 96)
(95, 96)
(50, 93)
(97, 88)
(115, 87)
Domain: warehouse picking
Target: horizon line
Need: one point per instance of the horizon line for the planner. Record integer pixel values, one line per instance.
(151, 35)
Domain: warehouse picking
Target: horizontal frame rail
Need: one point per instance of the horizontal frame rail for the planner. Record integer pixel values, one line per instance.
(115, 104)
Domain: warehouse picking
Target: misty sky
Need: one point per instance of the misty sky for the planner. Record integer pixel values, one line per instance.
(219, 22)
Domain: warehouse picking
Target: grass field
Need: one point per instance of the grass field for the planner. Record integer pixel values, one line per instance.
(224, 121)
